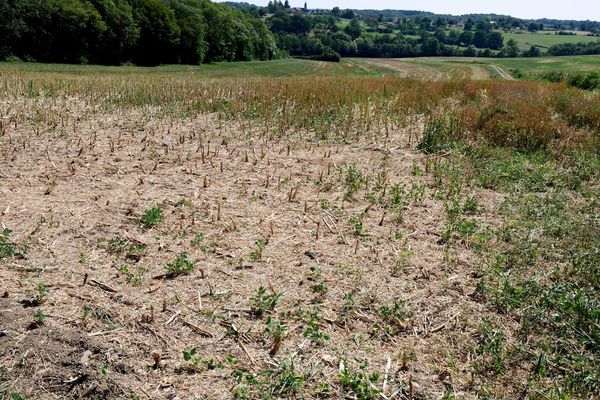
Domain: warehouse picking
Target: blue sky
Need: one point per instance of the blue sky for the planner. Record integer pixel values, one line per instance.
(566, 9)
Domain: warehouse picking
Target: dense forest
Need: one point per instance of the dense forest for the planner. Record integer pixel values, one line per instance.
(144, 32)
(152, 32)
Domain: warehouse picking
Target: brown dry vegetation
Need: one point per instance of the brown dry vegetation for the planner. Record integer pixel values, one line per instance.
(176, 237)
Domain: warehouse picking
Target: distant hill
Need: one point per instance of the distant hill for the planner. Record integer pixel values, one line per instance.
(329, 34)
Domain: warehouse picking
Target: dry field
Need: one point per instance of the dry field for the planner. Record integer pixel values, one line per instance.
(165, 236)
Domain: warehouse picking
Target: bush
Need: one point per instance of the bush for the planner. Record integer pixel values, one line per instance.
(553, 76)
(587, 81)
(523, 126)
(440, 133)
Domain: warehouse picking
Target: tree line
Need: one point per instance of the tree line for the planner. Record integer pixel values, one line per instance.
(152, 32)
(144, 32)
(321, 37)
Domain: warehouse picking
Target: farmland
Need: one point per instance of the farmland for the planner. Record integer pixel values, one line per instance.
(298, 229)
(545, 39)
(429, 68)
(434, 68)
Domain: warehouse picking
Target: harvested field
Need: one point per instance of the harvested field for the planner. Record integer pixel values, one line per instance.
(260, 242)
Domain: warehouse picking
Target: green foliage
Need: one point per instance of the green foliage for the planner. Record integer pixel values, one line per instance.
(353, 179)
(152, 217)
(181, 266)
(133, 278)
(275, 328)
(130, 249)
(491, 344)
(284, 381)
(587, 81)
(39, 317)
(313, 328)
(256, 254)
(440, 132)
(264, 302)
(358, 382)
(147, 32)
(7, 248)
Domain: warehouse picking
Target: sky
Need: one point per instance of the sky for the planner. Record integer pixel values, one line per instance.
(556, 9)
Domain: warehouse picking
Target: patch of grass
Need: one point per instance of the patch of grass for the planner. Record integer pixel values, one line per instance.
(546, 272)
(491, 346)
(440, 133)
(182, 265)
(506, 170)
(131, 250)
(152, 217)
(359, 383)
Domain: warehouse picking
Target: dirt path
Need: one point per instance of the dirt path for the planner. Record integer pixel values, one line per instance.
(505, 75)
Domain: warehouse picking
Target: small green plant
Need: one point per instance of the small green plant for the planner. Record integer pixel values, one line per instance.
(275, 328)
(358, 382)
(356, 223)
(439, 133)
(7, 248)
(471, 206)
(152, 217)
(415, 169)
(38, 293)
(264, 302)
(256, 254)
(39, 317)
(403, 260)
(198, 240)
(417, 193)
(491, 342)
(397, 196)
(133, 278)
(392, 318)
(132, 250)
(313, 331)
(353, 179)
(41, 292)
(184, 203)
(181, 266)
(195, 362)
(320, 289)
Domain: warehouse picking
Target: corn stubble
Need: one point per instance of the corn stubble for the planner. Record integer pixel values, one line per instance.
(401, 227)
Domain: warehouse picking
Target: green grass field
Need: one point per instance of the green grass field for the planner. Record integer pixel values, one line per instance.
(424, 68)
(475, 68)
(276, 68)
(544, 39)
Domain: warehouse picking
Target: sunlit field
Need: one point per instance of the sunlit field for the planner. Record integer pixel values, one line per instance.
(394, 229)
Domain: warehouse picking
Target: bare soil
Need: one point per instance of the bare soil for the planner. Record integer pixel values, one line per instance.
(67, 191)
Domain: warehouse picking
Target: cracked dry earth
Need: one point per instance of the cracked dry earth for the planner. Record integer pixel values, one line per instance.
(117, 326)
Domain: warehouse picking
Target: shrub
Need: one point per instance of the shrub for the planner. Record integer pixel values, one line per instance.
(440, 132)
(588, 81)
(520, 124)
(152, 217)
(181, 266)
